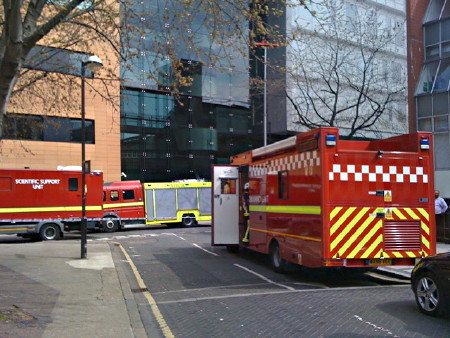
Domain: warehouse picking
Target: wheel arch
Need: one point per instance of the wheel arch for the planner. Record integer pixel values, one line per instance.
(188, 219)
(115, 216)
(58, 223)
(275, 240)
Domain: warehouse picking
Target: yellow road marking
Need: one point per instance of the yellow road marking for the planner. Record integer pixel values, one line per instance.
(159, 317)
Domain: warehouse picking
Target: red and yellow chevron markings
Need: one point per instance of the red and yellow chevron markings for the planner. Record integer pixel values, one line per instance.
(357, 232)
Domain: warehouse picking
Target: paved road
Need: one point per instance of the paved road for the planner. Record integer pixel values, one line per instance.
(204, 291)
(190, 289)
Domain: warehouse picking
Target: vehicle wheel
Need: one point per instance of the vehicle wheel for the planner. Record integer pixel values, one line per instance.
(429, 294)
(111, 225)
(188, 221)
(278, 264)
(49, 232)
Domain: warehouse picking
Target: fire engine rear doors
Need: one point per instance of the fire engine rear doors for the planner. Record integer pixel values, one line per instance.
(225, 220)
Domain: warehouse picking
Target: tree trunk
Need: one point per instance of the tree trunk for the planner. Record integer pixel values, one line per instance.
(12, 59)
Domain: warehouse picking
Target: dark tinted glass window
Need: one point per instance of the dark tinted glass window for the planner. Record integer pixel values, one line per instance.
(48, 128)
(283, 187)
(73, 184)
(128, 194)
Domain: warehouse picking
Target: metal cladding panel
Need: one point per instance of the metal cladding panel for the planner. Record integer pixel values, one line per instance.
(205, 201)
(149, 204)
(165, 203)
(361, 178)
(381, 203)
(364, 232)
(187, 198)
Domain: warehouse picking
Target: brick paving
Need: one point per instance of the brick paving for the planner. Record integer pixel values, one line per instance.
(203, 295)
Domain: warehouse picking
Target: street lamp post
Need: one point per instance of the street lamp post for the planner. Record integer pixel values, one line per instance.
(93, 63)
(265, 45)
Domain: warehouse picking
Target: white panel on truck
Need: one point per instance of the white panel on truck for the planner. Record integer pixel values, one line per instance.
(225, 222)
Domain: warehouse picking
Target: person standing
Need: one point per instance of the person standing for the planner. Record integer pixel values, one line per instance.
(440, 205)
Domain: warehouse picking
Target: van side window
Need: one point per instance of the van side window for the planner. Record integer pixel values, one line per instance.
(114, 195)
(128, 194)
(73, 184)
(283, 186)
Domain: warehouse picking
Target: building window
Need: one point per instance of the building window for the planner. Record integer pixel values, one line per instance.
(56, 60)
(432, 34)
(427, 77)
(443, 76)
(46, 128)
(441, 123)
(434, 10)
(440, 104)
(424, 125)
(445, 28)
(424, 107)
(351, 12)
(432, 52)
(441, 146)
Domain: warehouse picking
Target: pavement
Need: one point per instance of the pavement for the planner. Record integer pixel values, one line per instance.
(48, 291)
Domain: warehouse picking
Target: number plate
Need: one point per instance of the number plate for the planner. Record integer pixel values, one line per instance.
(377, 261)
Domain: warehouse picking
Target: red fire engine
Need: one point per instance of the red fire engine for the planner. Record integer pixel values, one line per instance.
(44, 203)
(133, 204)
(319, 201)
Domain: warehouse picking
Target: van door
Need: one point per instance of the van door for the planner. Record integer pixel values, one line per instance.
(225, 220)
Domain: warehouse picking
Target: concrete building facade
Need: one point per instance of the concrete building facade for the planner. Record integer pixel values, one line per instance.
(337, 50)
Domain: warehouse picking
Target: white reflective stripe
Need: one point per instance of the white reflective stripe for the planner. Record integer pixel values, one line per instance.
(378, 173)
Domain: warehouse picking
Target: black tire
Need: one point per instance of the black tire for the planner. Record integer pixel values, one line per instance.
(50, 232)
(187, 221)
(429, 294)
(277, 263)
(110, 225)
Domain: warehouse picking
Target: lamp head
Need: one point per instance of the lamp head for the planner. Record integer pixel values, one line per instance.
(93, 63)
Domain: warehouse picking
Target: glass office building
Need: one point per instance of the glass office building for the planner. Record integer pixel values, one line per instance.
(170, 133)
(432, 91)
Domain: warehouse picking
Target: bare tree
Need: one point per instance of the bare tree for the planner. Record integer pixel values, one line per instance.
(343, 73)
